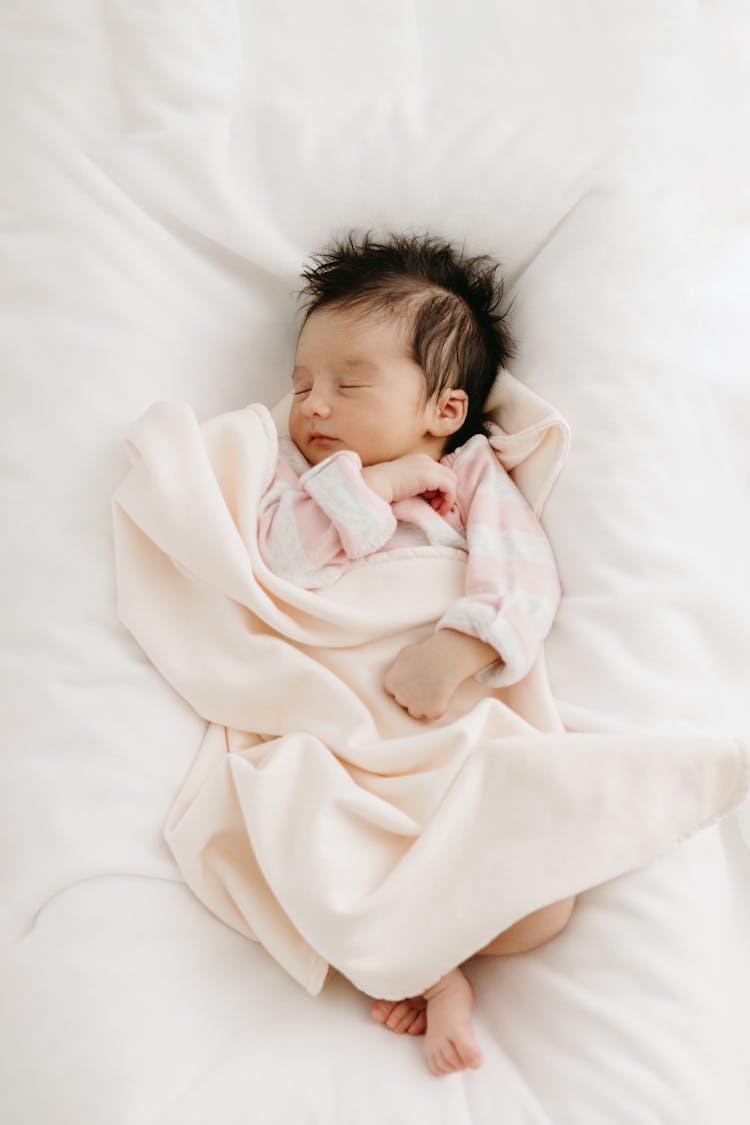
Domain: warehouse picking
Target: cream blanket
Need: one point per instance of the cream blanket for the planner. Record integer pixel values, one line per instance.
(319, 818)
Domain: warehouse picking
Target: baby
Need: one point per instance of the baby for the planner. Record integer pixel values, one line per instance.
(400, 345)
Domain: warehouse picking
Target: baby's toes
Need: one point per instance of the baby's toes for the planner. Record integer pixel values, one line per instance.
(415, 1019)
(470, 1055)
(451, 1057)
(436, 1059)
(435, 1063)
(400, 1017)
(382, 1009)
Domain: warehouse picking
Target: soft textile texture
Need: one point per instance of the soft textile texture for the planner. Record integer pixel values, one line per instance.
(168, 169)
(319, 817)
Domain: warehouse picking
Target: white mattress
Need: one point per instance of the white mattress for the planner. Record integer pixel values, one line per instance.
(166, 169)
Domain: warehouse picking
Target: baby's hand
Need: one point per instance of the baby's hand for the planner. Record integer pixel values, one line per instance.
(420, 684)
(416, 474)
(423, 678)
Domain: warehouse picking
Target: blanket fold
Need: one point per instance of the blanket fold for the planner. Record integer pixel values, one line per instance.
(319, 818)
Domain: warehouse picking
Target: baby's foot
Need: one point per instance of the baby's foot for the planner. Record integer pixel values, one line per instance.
(449, 1041)
(402, 1016)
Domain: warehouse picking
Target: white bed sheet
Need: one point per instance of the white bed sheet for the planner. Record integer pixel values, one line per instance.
(166, 169)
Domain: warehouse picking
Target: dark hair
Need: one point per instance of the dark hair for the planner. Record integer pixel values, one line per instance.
(458, 335)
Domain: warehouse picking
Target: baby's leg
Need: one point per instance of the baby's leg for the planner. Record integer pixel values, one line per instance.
(443, 1014)
(449, 1040)
(532, 931)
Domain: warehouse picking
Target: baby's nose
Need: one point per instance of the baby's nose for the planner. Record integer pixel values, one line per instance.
(316, 404)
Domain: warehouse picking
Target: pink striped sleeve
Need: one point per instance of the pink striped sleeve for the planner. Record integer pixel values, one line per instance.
(312, 524)
(512, 586)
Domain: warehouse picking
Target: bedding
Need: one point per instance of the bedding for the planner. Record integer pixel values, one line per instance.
(322, 819)
(166, 171)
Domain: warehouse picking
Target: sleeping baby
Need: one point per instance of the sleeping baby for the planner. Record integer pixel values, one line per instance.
(401, 343)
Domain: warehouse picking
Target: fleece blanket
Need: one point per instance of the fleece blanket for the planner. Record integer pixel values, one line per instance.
(319, 818)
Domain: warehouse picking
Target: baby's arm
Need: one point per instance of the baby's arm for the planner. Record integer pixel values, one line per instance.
(512, 586)
(511, 595)
(312, 524)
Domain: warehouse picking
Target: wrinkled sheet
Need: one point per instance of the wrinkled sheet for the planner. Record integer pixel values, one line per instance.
(165, 171)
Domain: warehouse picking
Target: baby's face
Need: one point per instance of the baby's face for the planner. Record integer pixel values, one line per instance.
(356, 387)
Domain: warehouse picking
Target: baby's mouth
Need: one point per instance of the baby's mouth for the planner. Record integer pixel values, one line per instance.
(316, 438)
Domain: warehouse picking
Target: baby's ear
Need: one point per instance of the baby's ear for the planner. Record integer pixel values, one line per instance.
(449, 412)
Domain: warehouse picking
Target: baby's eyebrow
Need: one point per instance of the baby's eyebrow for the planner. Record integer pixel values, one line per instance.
(358, 361)
(347, 364)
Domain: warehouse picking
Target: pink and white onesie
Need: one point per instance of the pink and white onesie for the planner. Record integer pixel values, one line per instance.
(315, 521)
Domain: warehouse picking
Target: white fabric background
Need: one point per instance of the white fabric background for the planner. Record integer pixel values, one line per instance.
(165, 170)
